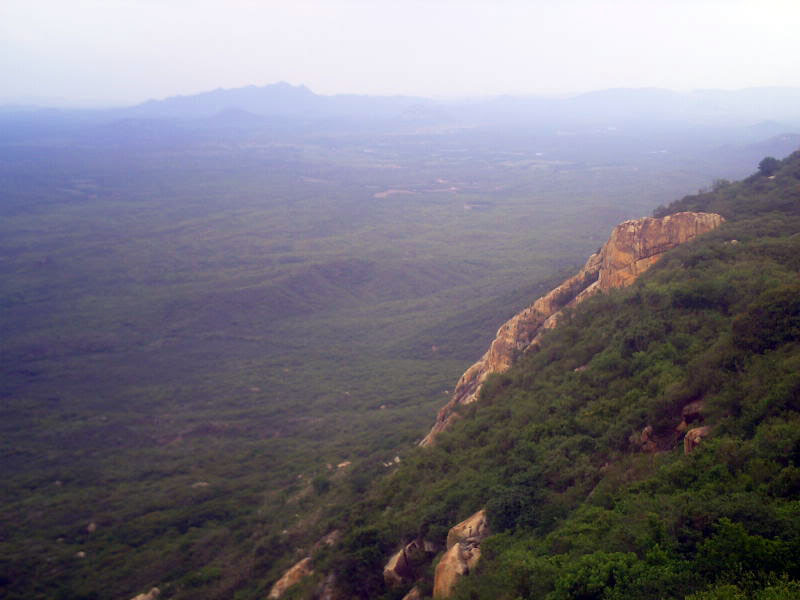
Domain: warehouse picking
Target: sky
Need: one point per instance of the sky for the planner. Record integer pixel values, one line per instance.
(119, 52)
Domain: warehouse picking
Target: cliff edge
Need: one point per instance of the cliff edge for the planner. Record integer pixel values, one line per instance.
(633, 247)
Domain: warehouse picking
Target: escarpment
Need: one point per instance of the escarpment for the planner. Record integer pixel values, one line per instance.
(633, 247)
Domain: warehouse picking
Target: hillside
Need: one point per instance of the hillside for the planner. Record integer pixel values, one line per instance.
(196, 329)
(650, 447)
(219, 332)
(633, 247)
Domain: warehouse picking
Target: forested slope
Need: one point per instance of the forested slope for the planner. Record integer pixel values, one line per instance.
(578, 452)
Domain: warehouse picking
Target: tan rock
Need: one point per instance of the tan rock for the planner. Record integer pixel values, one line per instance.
(633, 247)
(471, 530)
(694, 437)
(647, 441)
(295, 574)
(463, 553)
(403, 564)
(458, 561)
(151, 595)
(397, 571)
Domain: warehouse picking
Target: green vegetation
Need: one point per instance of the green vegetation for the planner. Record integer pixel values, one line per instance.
(769, 166)
(201, 323)
(582, 504)
(195, 329)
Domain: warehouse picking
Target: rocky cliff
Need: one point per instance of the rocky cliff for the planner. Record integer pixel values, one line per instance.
(462, 555)
(633, 247)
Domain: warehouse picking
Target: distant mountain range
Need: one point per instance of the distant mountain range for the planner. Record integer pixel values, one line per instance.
(660, 120)
(285, 100)
(279, 99)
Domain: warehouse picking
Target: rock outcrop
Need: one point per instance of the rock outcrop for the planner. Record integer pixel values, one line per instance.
(456, 562)
(646, 440)
(471, 529)
(463, 553)
(694, 437)
(403, 565)
(633, 247)
(299, 571)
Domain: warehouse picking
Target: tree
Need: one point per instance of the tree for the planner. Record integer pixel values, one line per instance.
(719, 184)
(769, 166)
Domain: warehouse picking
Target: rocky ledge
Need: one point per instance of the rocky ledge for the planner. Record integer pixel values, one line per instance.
(634, 246)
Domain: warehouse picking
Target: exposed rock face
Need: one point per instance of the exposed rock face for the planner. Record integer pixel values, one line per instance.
(457, 562)
(402, 566)
(463, 553)
(634, 246)
(694, 437)
(471, 529)
(292, 576)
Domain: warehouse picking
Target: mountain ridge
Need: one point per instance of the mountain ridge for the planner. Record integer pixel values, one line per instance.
(617, 104)
(632, 248)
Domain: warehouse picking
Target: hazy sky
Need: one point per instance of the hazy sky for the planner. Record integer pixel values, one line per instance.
(126, 51)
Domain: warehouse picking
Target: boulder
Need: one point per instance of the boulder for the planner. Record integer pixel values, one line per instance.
(296, 573)
(403, 565)
(647, 441)
(458, 561)
(694, 437)
(463, 553)
(473, 529)
(397, 571)
(633, 247)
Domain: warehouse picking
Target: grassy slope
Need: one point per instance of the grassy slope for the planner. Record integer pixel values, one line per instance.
(555, 453)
